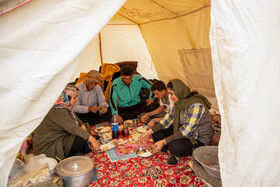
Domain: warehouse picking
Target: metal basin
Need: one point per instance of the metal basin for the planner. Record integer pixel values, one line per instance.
(207, 156)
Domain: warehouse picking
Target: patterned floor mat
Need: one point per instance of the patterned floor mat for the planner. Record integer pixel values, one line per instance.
(151, 171)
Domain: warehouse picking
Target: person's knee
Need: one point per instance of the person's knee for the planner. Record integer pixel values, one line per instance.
(173, 148)
(180, 148)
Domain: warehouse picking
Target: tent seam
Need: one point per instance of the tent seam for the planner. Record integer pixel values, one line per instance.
(206, 6)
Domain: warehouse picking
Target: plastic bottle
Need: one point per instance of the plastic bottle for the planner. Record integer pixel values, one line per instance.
(115, 127)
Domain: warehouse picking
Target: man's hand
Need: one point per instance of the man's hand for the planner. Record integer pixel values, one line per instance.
(95, 144)
(145, 135)
(119, 119)
(149, 101)
(103, 110)
(93, 108)
(84, 127)
(158, 146)
(145, 117)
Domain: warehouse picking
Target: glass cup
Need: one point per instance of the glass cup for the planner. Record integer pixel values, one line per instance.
(125, 132)
(135, 123)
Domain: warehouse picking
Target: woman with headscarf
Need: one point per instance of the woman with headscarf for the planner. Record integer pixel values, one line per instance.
(61, 133)
(186, 127)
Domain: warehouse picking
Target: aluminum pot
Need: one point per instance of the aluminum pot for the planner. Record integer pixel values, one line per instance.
(76, 171)
(207, 156)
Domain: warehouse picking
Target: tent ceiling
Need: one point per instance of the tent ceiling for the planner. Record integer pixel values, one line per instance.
(144, 11)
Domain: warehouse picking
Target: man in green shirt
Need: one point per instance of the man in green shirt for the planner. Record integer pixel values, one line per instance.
(125, 101)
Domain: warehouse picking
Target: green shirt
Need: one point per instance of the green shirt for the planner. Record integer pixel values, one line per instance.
(122, 95)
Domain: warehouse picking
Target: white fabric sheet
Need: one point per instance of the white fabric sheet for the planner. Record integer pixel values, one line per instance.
(40, 47)
(245, 50)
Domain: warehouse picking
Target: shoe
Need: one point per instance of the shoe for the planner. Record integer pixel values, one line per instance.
(172, 160)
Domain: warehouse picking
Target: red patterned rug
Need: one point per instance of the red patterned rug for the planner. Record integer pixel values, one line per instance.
(151, 171)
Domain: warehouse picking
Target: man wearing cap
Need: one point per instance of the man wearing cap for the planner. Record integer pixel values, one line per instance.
(125, 101)
(91, 106)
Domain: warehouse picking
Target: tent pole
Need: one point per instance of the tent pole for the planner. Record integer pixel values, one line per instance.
(100, 48)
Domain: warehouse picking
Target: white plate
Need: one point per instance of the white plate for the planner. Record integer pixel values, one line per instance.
(144, 153)
(102, 129)
(142, 129)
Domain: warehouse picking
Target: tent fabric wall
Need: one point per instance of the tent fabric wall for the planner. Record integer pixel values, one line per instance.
(166, 38)
(133, 48)
(90, 59)
(40, 48)
(42, 43)
(245, 48)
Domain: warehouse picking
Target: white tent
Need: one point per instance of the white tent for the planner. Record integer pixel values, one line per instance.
(45, 44)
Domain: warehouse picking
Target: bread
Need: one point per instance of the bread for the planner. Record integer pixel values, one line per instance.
(40, 174)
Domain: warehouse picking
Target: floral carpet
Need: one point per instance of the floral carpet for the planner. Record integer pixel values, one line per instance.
(150, 171)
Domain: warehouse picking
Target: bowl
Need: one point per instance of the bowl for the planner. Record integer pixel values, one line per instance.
(50, 161)
(207, 156)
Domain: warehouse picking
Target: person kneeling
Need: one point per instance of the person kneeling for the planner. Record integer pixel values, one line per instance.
(165, 105)
(61, 133)
(125, 101)
(186, 127)
(91, 106)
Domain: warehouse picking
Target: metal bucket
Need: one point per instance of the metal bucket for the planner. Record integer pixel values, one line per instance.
(207, 156)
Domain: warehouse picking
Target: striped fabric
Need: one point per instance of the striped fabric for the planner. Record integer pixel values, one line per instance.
(195, 112)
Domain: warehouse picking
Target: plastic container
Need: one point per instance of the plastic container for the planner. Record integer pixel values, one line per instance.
(115, 127)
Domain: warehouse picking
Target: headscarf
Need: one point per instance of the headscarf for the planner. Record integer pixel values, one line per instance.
(64, 100)
(92, 76)
(182, 92)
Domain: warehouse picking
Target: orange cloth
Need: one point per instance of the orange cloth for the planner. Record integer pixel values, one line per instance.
(81, 78)
(107, 72)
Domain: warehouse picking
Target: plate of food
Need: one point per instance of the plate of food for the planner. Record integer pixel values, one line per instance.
(122, 141)
(145, 153)
(128, 122)
(132, 141)
(106, 136)
(142, 129)
(102, 129)
(126, 149)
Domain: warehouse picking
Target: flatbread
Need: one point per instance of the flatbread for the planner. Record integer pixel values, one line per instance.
(106, 136)
(142, 129)
(122, 141)
(108, 146)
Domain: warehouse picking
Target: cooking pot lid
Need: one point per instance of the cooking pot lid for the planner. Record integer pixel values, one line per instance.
(44, 184)
(73, 166)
